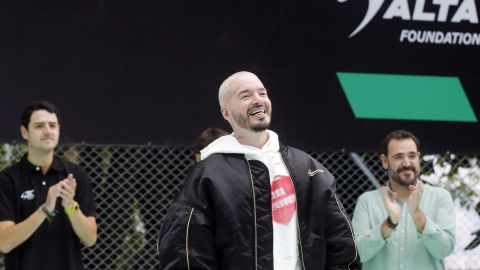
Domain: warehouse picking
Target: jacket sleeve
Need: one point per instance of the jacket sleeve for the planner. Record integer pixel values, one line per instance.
(341, 248)
(186, 240)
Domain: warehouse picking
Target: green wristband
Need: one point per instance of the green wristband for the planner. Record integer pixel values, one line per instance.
(50, 214)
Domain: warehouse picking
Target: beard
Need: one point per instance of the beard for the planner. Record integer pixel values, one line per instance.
(405, 182)
(243, 122)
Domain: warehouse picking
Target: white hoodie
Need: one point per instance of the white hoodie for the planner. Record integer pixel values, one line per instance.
(284, 206)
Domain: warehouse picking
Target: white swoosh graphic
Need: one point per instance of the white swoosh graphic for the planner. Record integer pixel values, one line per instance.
(310, 173)
(373, 7)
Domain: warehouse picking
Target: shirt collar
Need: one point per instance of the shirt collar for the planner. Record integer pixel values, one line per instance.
(57, 165)
(389, 189)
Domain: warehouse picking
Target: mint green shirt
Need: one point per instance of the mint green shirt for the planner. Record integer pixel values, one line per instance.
(405, 248)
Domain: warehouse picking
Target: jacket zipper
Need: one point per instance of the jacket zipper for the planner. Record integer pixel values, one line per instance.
(351, 231)
(298, 224)
(186, 237)
(254, 214)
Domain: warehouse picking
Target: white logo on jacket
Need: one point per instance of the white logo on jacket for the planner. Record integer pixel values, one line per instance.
(312, 173)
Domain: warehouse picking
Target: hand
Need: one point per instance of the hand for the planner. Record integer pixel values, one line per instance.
(391, 205)
(52, 195)
(414, 197)
(67, 191)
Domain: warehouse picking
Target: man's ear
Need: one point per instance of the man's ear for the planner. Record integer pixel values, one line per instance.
(24, 132)
(384, 160)
(225, 113)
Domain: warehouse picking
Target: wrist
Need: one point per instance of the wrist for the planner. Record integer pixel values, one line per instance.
(50, 215)
(390, 223)
(418, 215)
(72, 208)
(49, 206)
(68, 206)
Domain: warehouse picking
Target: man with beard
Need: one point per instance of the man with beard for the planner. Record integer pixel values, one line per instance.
(405, 224)
(254, 203)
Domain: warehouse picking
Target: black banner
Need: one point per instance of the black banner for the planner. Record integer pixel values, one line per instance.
(136, 72)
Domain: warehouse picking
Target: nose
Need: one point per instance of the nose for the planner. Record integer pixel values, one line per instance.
(257, 99)
(406, 161)
(47, 129)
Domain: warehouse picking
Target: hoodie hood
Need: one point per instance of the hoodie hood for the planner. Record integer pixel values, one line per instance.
(228, 144)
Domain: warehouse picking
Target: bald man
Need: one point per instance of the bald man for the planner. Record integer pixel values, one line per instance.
(254, 203)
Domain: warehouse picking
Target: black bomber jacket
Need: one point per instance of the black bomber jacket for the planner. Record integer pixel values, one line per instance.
(222, 218)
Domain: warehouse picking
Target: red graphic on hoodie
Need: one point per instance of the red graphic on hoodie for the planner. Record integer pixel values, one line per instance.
(284, 202)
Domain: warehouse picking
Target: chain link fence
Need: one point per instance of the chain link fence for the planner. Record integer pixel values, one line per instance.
(134, 186)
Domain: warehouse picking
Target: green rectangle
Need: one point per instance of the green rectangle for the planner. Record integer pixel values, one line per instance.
(406, 97)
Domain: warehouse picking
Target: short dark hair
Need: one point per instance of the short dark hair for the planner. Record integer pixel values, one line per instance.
(36, 106)
(398, 135)
(206, 137)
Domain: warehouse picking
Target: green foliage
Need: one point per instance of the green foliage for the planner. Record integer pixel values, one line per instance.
(10, 154)
(133, 241)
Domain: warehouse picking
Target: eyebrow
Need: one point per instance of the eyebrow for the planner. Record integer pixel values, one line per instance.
(402, 153)
(48, 122)
(242, 92)
(248, 90)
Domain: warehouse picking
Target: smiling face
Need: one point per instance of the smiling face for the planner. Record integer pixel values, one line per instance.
(245, 103)
(43, 131)
(402, 162)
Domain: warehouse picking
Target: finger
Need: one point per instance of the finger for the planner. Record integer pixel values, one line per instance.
(64, 185)
(70, 182)
(384, 194)
(58, 187)
(67, 190)
(411, 189)
(62, 196)
(394, 197)
(74, 183)
(53, 195)
(383, 190)
(68, 179)
(65, 194)
(70, 186)
(421, 188)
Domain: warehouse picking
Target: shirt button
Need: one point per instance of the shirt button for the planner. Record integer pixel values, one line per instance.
(43, 183)
(37, 168)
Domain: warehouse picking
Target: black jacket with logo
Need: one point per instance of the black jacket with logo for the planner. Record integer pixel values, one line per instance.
(222, 219)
